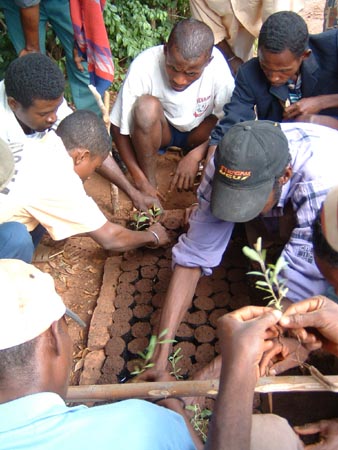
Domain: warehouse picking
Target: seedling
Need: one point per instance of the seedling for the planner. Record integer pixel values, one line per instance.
(148, 353)
(174, 359)
(272, 283)
(142, 220)
(200, 419)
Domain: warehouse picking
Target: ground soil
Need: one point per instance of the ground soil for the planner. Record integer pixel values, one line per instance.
(120, 296)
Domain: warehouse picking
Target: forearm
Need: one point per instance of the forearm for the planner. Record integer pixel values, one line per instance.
(179, 296)
(176, 405)
(125, 148)
(200, 151)
(117, 238)
(230, 426)
(327, 101)
(111, 171)
(30, 25)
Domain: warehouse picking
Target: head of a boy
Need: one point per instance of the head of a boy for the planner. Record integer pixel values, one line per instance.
(187, 53)
(34, 87)
(85, 137)
(282, 47)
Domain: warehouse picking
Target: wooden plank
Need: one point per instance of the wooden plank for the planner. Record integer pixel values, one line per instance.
(190, 388)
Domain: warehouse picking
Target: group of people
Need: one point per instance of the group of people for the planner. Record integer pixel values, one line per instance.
(267, 139)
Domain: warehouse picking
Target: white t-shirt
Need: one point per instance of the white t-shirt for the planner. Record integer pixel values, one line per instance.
(45, 189)
(184, 110)
(10, 129)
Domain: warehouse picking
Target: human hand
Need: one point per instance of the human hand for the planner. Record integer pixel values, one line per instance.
(285, 354)
(162, 234)
(25, 51)
(185, 174)
(309, 105)
(328, 434)
(318, 313)
(188, 212)
(146, 188)
(248, 331)
(235, 64)
(78, 59)
(143, 202)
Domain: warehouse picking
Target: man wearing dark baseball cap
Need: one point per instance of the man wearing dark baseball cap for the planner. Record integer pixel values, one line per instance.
(260, 169)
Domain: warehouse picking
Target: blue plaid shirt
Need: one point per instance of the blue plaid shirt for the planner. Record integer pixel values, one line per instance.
(314, 160)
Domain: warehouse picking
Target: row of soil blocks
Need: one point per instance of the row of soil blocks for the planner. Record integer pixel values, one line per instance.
(140, 293)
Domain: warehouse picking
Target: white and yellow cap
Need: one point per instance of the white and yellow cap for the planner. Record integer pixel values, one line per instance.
(29, 303)
(330, 218)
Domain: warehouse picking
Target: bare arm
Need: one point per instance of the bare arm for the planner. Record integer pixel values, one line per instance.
(111, 171)
(30, 24)
(244, 336)
(125, 148)
(115, 237)
(180, 292)
(310, 105)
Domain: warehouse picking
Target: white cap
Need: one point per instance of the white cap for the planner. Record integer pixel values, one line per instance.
(6, 164)
(330, 218)
(29, 303)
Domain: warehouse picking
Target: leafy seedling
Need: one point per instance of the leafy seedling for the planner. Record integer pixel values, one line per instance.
(142, 220)
(200, 419)
(148, 353)
(272, 282)
(174, 359)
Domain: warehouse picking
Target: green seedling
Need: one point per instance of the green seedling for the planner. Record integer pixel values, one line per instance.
(272, 282)
(174, 359)
(142, 220)
(148, 353)
(200, 419)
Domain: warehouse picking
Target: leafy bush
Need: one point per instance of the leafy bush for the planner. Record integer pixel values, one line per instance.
(134, 26)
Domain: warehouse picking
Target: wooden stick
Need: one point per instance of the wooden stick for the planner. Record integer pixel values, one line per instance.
(190, 388)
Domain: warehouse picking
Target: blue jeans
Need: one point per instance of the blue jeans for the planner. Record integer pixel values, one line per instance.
(55, 12)
(16, 242)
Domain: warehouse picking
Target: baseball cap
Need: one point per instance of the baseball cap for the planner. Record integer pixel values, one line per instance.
(247, 161)
(6, 164)
(29, 303)
(330, 218)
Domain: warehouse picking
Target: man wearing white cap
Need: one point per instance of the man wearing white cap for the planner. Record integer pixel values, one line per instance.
(35, 363)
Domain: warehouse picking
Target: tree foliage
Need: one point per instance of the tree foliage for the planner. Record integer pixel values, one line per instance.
(132, 26)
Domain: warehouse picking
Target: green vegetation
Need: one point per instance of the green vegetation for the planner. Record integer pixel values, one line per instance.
(131, 27)
(271, 283)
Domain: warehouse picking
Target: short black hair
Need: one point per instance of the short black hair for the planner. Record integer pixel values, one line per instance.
(84, 129)
(33, 77)
(19, 361)
(192, 38)
(284, 30)
(321, 247)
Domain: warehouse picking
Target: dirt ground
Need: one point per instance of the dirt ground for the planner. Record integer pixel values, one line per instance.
(120, 296)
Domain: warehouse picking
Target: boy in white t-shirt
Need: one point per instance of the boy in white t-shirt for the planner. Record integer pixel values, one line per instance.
(173, 95)
(47, 193)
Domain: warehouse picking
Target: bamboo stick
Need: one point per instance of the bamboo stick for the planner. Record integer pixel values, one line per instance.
(104, 107)
(190, 388)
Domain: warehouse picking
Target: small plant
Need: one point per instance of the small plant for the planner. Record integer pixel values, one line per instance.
(148, 353)
(200, 419)
(272, 283)
(174, 359)
(142, 220)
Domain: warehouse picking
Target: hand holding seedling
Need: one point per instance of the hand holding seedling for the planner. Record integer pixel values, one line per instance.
(316, 322)
(248, 333)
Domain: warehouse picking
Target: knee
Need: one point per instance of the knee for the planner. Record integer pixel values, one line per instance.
(16, 242)
(146, 111)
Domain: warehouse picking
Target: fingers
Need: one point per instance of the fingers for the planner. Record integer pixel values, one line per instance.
(251, 312)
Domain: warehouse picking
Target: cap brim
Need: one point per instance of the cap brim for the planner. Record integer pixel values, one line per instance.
(238, 205)
(75, 317)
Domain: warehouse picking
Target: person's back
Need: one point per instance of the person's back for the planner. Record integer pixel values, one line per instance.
(294, 76)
